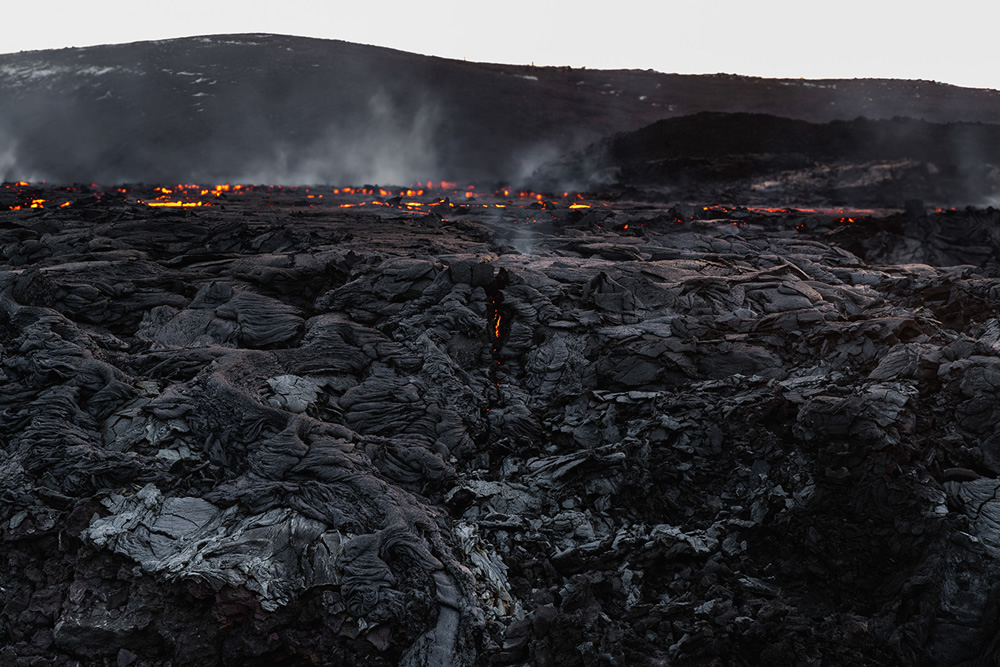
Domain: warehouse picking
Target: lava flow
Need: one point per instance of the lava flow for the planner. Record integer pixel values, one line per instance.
(435, 201)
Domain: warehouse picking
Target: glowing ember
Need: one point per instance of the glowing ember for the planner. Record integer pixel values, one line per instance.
(175, 204)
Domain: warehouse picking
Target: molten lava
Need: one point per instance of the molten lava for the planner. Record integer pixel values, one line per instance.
(177, 204)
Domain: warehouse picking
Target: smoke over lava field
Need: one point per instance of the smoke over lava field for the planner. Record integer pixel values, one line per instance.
(314, 353)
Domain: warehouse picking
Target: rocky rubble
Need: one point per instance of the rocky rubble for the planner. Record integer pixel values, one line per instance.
(262, 434)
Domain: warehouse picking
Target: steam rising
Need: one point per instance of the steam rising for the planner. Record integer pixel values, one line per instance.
(8, 157)
(215, 110)
(282, 110)
(392, 146)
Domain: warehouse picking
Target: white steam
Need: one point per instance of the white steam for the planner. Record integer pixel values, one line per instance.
(9, 169)
(390, 146)
(8, 160)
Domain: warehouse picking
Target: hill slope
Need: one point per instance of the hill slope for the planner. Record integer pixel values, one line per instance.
(287, 109)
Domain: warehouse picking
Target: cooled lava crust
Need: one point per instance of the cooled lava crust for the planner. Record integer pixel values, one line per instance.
(447, 426)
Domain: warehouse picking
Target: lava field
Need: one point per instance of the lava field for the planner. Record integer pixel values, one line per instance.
(453, 425)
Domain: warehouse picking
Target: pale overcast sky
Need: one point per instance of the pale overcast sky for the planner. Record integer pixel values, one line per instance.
(952, 42)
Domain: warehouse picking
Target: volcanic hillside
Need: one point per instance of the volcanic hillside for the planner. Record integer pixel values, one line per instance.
(267, 108)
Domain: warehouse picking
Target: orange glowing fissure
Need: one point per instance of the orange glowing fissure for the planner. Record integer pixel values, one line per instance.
(35, 203)
(176, 204)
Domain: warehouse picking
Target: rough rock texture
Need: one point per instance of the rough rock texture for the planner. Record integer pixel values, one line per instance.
(755, 158)
(638, 433)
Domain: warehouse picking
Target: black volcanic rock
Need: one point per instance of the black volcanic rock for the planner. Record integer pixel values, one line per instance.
(747, 437)
(715, 135)
(277, 109)
(757, 158)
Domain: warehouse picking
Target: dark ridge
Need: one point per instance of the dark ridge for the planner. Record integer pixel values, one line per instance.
(713, 135)
(751, 157)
